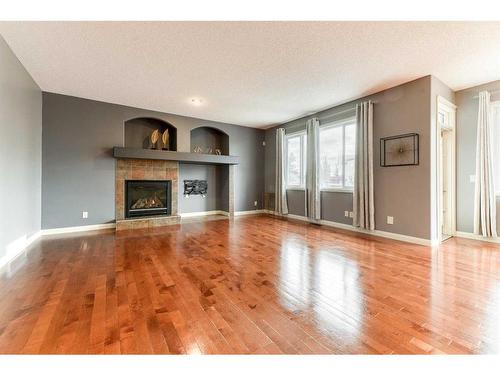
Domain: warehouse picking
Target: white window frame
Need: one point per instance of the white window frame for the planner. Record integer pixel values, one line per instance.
(303, 145)
(339, 123)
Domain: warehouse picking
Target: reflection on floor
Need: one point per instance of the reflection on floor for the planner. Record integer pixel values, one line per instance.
(255, 284)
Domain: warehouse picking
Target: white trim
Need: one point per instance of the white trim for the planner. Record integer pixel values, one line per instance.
(251, 212)
(444, 101)
(83, 228)
(203, 213)
(296, 217)
(302, 134)
(378, 233)
(341, 122)
(436, 193)
(225, 213)
(17, 248)
(339, 190)
(291, 133)
(477, 237)
(344, 123)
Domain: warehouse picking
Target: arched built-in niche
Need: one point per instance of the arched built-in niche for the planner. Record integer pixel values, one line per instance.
(138, 132)
(208, 138)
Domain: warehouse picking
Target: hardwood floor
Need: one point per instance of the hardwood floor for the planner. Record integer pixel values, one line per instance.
(253, 285)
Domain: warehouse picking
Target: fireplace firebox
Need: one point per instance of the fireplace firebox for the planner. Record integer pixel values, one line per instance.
(148, 198)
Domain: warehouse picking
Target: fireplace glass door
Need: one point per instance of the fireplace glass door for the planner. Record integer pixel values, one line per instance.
(147, 198)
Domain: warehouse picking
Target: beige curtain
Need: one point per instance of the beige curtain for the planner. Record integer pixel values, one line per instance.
(280, 204)
(313, 202)
(363, 195)
(485, 221)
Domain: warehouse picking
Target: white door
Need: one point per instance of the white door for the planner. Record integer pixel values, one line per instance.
(446, 169)
(446, 181)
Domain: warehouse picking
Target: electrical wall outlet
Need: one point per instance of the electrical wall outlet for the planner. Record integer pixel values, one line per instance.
(85, 215)
(351, 214)
(346, 213)
(390, 220)
(255, 203)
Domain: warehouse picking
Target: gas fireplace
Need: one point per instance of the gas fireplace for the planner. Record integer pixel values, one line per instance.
(147, 198)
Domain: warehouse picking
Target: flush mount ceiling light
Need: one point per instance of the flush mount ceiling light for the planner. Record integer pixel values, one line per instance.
(196, 101)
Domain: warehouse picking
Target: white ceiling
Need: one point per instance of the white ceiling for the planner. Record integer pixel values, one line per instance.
(249, 73)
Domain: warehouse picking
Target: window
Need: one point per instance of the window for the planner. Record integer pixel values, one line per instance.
(295, 160)
(337, 143)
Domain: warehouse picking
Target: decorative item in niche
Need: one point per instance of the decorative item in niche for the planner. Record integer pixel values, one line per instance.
(209, 150)
(195, 187)
(218, 151)
(155, 135)
(197, 149)
(165, 139)
(399, 150)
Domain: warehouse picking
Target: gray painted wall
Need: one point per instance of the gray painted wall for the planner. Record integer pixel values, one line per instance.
(206, 137)
(296, 202)
(333, 205)
(401, 192)
(214, 198)
(137, 133)
(78, 168)
(466, 153)
(20, 150)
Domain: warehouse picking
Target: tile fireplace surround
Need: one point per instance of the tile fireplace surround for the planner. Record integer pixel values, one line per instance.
(140, 169)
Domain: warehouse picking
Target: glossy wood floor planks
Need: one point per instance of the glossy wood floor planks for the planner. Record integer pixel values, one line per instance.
(255, 284)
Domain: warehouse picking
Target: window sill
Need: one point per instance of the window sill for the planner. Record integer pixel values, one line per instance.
(339, 190)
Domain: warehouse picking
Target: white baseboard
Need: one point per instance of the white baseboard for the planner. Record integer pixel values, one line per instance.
(251, 212)
(17, 248)
(477, 237)
(378, 233)
(83, 228)
(203, 213)
(237, 213)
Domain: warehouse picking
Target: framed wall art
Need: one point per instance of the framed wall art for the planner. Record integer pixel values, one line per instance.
(195, 187)
(399, 150)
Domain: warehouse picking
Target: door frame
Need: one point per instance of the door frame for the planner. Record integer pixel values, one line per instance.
(451, 110)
